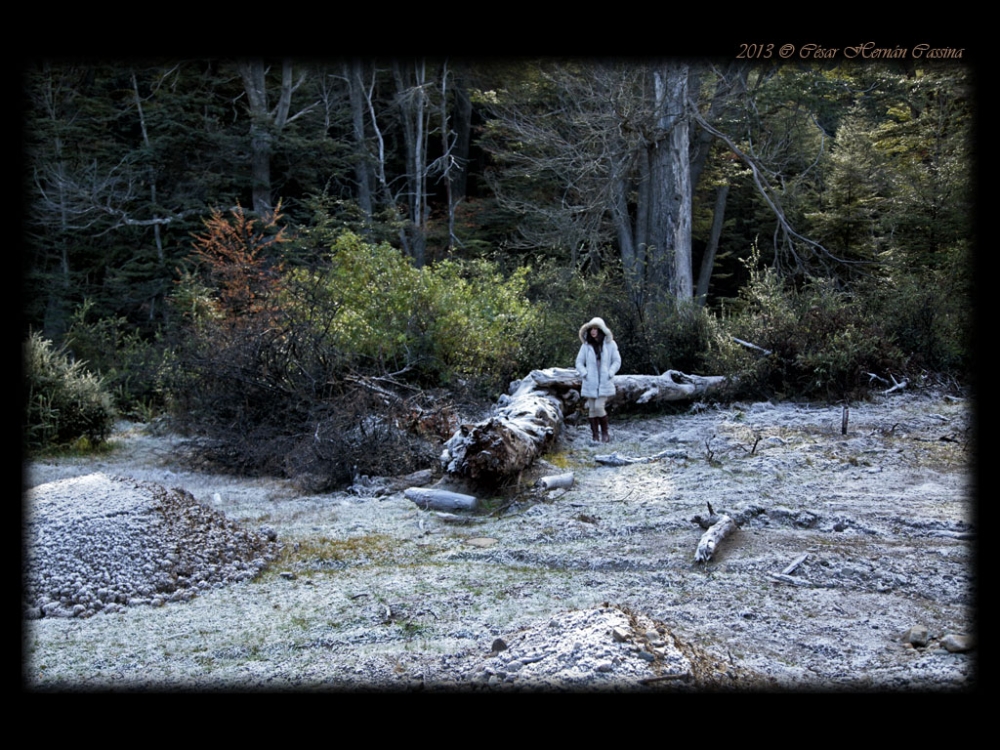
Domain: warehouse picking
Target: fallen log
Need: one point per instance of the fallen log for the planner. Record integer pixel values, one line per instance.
(709, 542)
(636, 389)
(617, 459)
(523, 426)
(437, 499)
(528, 420)
(556, 481)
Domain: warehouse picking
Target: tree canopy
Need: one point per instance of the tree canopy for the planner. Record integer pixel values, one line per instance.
(663, 171)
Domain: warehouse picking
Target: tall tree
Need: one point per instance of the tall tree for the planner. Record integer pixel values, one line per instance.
(413, 100)
(267, 122)
(612, 144)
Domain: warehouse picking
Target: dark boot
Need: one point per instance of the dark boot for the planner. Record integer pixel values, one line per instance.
(594, 421)
(605, 435)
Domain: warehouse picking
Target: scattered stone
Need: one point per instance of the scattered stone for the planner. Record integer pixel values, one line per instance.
(957, 644)
(620, 635)
(916, 636)
(481, 541)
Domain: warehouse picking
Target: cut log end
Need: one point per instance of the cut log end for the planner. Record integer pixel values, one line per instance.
(710, 540)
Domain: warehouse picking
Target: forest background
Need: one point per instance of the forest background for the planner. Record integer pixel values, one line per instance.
(252, 244)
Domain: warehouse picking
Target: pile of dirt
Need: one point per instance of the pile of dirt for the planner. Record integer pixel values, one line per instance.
(98, 543)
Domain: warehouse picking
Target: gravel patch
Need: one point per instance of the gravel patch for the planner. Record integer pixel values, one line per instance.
(97, 544)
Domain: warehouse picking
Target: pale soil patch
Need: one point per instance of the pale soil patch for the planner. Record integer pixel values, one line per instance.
(379, 594)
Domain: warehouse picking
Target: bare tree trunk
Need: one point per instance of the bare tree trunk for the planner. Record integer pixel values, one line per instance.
(266, 125)
(354, 73)
(633, 256)
(447, 163)
(670, 187)
(708, 259)
(463, 140)
(255, 86)
(413, 107)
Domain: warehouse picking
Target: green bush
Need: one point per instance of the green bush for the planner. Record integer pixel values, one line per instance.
(928, 312)
(564, 300)
(285, 387)
(824, 342)
(451, 319)
(133, 369)
(674, 337)
(65, 402)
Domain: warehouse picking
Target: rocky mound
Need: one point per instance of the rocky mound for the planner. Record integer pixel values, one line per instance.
(609, 648)
(98, 543)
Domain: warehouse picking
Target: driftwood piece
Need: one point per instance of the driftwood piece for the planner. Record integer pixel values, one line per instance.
(617, 459)
(718, 531)
(438, 499)
(794, 564)
(792, 580)
(897, 385)
(528, 420)
(748, 345)
(556, 481)
(636, 389)
(523, 426)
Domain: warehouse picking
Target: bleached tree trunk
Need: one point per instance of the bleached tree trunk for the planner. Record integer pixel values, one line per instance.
(524, 425)
(354, 74)
(670, 172)
(413, 108)
(527, 421)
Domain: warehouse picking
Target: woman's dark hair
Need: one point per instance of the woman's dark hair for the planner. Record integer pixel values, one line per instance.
(598, 342)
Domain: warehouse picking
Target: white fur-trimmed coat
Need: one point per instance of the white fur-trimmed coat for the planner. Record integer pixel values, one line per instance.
(598, 381)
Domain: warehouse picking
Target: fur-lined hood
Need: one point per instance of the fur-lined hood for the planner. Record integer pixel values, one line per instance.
(595, 323)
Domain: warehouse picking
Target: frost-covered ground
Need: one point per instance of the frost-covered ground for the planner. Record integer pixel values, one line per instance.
(594, 587)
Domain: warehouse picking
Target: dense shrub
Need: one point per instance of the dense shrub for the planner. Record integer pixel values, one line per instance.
(928, 313)
(673, 337)
(282, 386)
(564, 300)
(823, 341)
(65, 402)
(441, 322)
(134, 370)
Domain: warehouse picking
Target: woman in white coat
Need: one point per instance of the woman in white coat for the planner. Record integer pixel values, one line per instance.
(597, 363)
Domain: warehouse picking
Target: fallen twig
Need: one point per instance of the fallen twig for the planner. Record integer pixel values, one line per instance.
(794, 564)
(897, 385)
(751, 346)
(793, 580)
